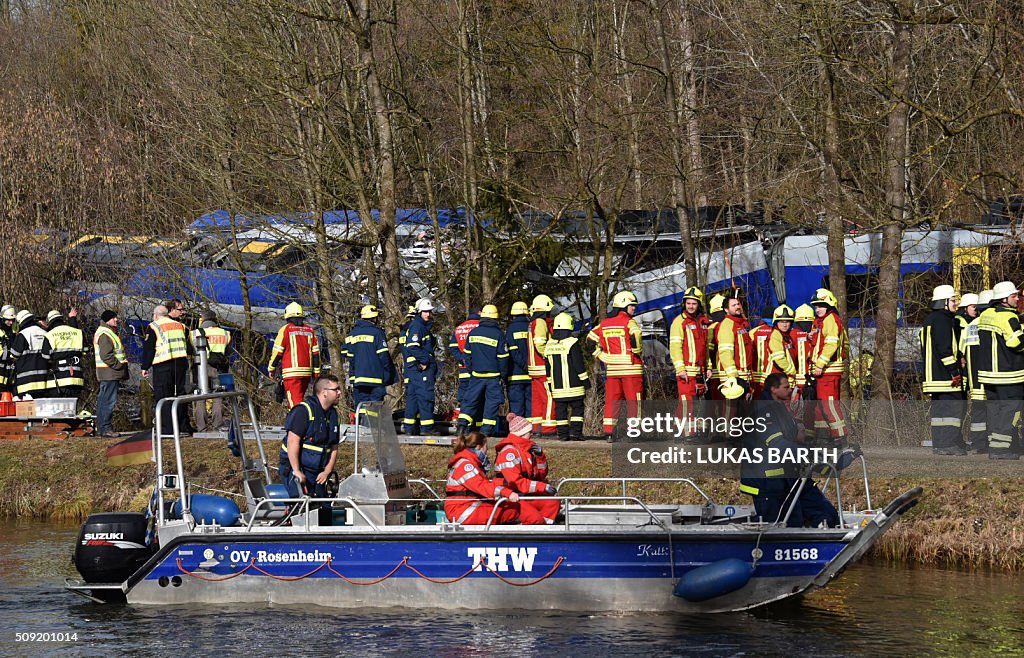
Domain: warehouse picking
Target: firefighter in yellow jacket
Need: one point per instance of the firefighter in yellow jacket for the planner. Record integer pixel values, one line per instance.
(567, 377)
(943, 379)
(1001, 370)
(618, 344)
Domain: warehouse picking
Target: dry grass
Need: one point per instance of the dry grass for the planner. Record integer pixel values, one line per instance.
(976, 523)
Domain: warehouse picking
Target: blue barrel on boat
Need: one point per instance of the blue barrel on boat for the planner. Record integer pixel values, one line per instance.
(210, 509)
(226, 380)
(714, 580)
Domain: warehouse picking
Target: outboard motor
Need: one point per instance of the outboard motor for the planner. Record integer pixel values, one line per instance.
(111, 547)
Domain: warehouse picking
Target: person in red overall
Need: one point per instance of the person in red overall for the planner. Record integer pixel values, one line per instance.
(471, 495)
(776, 353)
(523, 467)
(298, 353)
(828, 359)
(758, 340)
(618, 344)
(542, 409)
(688, 345)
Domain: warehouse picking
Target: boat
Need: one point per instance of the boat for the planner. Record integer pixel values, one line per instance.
(381, 539)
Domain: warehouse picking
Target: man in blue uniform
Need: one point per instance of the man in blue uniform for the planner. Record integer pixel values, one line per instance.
(421, 371)
(517, 338)
(488, 366)
(309, 449)
(370, 370)
(772, 485)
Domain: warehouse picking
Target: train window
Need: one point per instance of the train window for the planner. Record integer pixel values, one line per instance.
(917, 294)
(861, 294)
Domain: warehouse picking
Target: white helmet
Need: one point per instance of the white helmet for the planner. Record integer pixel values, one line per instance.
(942, 293)
(1003, 289)
(969, 299)
(424, 304)
(985, 297)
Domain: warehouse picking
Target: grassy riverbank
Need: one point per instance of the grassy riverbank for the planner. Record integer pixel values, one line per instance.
(962, 521)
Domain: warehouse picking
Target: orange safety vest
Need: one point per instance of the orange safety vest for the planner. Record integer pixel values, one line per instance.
(170, 340)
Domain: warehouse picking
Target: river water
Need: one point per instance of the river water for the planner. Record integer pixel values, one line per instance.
(874, 609)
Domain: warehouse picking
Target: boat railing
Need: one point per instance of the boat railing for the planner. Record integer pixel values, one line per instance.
(426, 485)
(304, 503)
(624, 482)
(833, 474)
(567, 511)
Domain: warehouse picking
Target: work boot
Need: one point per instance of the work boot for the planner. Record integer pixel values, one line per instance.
(1003, 454)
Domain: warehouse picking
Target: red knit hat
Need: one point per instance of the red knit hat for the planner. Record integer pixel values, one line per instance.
(518, 425)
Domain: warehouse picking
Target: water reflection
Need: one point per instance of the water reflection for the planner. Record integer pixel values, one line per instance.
(872, 610)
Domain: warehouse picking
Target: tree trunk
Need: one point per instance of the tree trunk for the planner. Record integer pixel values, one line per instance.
(896, 196)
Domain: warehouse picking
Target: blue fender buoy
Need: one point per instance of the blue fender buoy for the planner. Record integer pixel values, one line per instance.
(210, 509)
(713, 580)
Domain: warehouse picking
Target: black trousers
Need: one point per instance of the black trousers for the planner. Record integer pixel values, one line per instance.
(1004, 406)
(170, 379)
(947, 414)
(569, 417)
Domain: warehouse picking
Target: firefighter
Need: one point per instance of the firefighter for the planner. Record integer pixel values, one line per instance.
(1001, 369)
(370, 369)
(457, 349)
(541, 407)
(803, 320)
(732, 352)
(517, 337)
(421, 370)
(7, 334)
(470, 494)
(522, 466)
(966, 311)
(760, 365)
(567, 378)
(217, 341)
(487, 360)
(618, 344)
(67, 353)
(778, 352)
(688, 344)
(943, 379)
(969, 349)
(716, 312)
(298, 352)
(30, 351)
(165, 352)
(828, 360)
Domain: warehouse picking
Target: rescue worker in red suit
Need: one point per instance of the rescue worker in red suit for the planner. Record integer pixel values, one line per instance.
(618, 344)
(828, 360)
(523, 467)
(688, 343)
(297, 351)
(457, 350)
(471, 495)
(803, 320)
(542, 410)
(778, 351)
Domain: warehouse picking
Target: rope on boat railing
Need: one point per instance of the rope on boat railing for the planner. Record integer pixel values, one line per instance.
(252, 563)
(558, 563)
(404, 563)
(398, 566)
(306, 575)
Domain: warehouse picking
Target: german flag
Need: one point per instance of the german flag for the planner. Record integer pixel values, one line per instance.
(136, 449)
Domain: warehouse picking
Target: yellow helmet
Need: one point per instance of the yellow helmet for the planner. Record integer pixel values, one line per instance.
(824, 297)
(732, 389)
(624, 299)
(541, 304)
(368, 312)
(293, 310)
(784, 313)
(693, 292)
(411, 311)
(520, 308)
(804, 313)
(563, 321)
(717, 303)
(489, 311)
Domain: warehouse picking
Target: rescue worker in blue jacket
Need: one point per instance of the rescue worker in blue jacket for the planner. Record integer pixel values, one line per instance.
(488, 366)
(457, 349)
(421, 370)
(370, 370)
(310, 445)
(771, 484)
(517, 338)
(410, 313)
